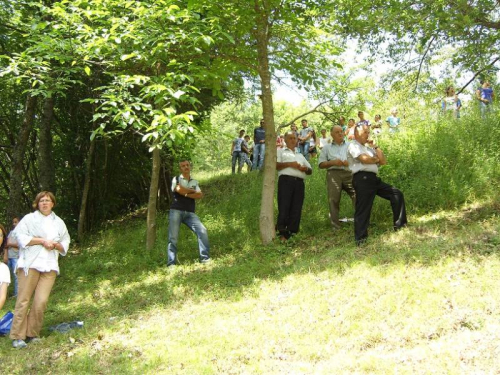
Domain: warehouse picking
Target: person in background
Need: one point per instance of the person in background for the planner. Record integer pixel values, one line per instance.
(486, 96)
(304, 139)
(280, 141)
(4, 269)
(292, 169)
(349, 132)
(293, 128)
(259, 148)
(42, 236)
(394, 121)
(342, 123)
(237, 153)
(324, 140)
(247, 152)
(333, 157)
(13, 253)
(364, 158)
(250, 146)
(449, 104)
(312, 145)
(182, 211)
(377, 125)
(459, 107)
(362, 120)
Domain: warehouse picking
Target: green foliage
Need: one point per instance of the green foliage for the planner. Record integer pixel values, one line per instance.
(467, 31)
(453, 159)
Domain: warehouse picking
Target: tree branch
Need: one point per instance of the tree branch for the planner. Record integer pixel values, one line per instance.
(422, 60)
(315, 109)
(478, 73)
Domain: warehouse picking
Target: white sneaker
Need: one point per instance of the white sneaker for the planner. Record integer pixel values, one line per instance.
(19, 344)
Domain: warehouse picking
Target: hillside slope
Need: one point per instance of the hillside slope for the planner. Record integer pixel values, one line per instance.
(422, 300)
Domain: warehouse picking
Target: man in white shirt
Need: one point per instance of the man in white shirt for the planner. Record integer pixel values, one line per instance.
(237, 152)
(324, 140)
(364, 159)
(305, 135)
(292, 169)
(338, 176)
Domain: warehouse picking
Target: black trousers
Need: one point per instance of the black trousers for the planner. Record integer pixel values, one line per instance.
(290, 200)
(367, 185)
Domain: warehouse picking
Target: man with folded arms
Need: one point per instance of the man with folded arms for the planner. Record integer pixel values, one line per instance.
(364, 159)
(338, 176)
(292, 169)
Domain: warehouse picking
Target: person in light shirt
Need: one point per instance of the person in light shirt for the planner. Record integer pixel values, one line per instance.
(364, 158)
(4, 269)
(324, 140)
(42, 236)
(338, 176)
(292, 169)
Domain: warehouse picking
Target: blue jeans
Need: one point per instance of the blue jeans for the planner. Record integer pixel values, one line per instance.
(485, 109)
(12, 266)
(258, 155)
(175, 218)
(240, 156)
(304, 149)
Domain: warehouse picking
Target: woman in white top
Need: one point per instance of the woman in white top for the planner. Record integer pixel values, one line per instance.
(450, 103)
(4, 269)
(313, 141)
(42, 236)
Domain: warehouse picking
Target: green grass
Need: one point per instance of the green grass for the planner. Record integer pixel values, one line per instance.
(422, 300)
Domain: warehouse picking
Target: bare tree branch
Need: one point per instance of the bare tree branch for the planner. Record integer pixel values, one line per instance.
(315, 109)
(478, 73)
(422, 60)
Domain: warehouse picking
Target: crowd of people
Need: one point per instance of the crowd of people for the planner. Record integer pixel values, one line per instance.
(351, 161)
(245, 151)
(352, 164)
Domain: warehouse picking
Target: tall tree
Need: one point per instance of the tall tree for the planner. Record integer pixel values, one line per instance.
(15, 206)
(45, 154)
(268, 37)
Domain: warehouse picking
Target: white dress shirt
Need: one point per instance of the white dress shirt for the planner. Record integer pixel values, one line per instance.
(285, 155)
(354, 150)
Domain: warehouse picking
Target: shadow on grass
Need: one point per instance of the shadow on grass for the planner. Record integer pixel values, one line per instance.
(130, 288)
(115, 278)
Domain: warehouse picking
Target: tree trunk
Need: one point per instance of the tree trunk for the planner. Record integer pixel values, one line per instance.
(82, 218)
(153, 200)
(15, 205)
(266, 223)
(45, 158)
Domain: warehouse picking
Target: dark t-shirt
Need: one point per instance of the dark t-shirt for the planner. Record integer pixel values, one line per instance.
(259, 134)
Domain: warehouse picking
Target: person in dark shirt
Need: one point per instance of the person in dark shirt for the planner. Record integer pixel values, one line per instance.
(186, 191)
(259, 148)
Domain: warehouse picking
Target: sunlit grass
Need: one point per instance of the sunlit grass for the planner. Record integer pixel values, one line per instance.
(421, 300)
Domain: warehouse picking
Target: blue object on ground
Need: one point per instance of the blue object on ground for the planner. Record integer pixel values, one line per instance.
(6, 323)
(66, 327)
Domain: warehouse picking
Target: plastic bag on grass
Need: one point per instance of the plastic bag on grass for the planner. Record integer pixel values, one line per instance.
(6, 323)
(66, 327)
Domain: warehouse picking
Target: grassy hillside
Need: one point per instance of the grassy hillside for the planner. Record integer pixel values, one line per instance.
(422, 300)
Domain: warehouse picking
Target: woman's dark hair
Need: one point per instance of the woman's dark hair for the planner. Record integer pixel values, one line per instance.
(4, 240)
